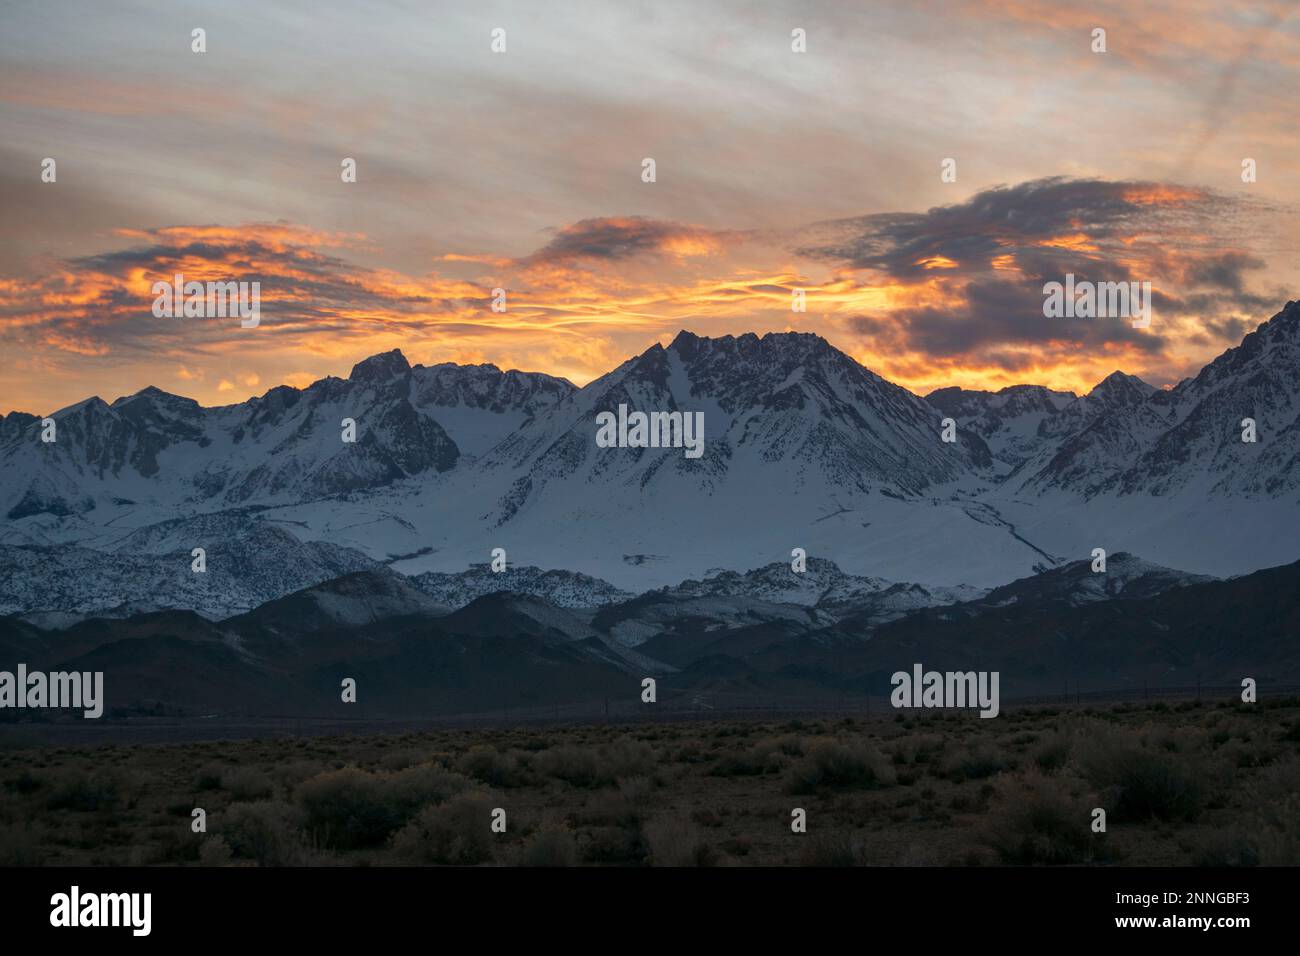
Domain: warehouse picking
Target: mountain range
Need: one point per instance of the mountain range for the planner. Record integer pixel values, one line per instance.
(772, 634)
(804, 449)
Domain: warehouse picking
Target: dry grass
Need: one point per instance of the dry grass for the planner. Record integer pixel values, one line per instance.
(1190, 784)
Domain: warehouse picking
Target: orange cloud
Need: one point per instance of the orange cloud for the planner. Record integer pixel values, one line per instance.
(598, 291)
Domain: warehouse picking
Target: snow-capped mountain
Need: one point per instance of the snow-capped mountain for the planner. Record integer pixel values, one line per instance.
(157, 449)
(775, 594)
(153, 569)
(479, 405)
(507, 651)
(351, 600)
(1010, 421)
(1135, 439)
(786, 403)
(1126, 576)
(566, 589)
(822, 584)
(803, 448)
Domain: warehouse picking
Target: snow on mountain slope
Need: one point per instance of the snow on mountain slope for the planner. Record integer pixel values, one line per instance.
(770, 480)
(1198, 533)
(501, 614)
(243, 572)
(1260, 380)
(822, 584)
(785, 400)
(1081, 445)
(566, 589)
(446, 525)
(1138, 440)
(1126, 576)
(727, 600)
(288, 444)
(803, 448)
(351, 600)
(479, 405)
(1117, 393)
(1010, 421)
(632, 623)
(152, 449)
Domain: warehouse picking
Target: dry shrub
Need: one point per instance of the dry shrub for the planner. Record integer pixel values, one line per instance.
(834, 849)
(488, 765)
(349, 808)
(911, 749)
(573, 764)
(215, 851)
(209, 776)
(267, 831)
(246, 783)
(20, 844)
(676, 842)
(833, 765)
(458, 832)
(589, 766)
(771, 756)
(83, 794)
(1052, 752)
(289, 775)
(552, 845)
(1226, 848)
(1144, 781)
(1037, 821)
(974, 763)
(1275, 797)
(399, 760)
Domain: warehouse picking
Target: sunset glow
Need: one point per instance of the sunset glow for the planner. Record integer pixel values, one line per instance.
(928, 283)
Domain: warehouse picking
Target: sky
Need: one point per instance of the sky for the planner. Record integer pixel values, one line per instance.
(522, 170)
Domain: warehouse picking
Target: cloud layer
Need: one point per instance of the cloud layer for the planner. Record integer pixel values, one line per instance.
(950, 295)
(775, 171)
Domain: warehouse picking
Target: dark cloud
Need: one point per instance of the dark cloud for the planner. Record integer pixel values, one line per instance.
(994, 313)
(992, 254)
(623, 237)
(102, 304)
(1029, 222)
(1221, 271)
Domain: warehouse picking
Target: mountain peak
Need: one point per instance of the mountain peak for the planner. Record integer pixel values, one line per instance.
(154, 394)
(1075, 583)
(1120, 386)
(379, 367)
(1288, 320)
(689, 344)
(92, 404)
(1012, 390)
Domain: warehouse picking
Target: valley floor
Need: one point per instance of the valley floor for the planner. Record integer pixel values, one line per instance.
(1188, 783)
